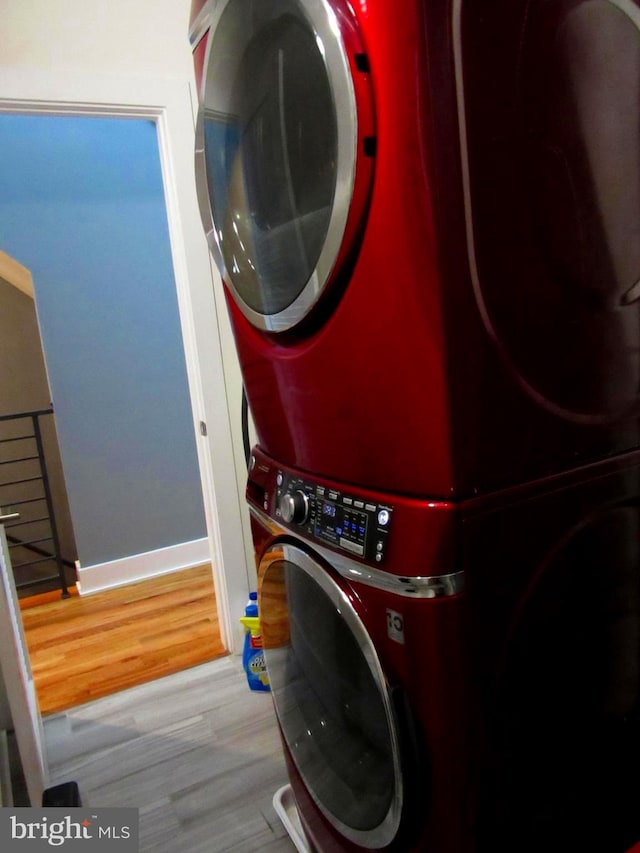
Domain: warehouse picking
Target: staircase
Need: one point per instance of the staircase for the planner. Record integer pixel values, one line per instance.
(26, 505)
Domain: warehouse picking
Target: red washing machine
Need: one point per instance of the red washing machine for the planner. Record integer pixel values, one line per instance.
(427, 218)
(482, 697)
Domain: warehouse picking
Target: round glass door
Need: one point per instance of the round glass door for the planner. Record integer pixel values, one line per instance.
(276, 153)
(331, 698)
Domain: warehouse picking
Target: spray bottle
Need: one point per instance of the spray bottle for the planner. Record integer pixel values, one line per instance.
(252, 654)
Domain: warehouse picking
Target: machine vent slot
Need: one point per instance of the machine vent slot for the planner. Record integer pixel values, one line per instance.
(362, 62)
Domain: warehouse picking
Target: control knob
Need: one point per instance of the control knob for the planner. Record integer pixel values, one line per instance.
(294, 508)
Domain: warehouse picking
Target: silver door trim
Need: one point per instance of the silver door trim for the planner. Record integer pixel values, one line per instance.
(386, 831)
(406, 586)
(327, 31)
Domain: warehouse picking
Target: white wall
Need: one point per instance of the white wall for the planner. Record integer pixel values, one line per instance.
(123, 36)
(146, 38)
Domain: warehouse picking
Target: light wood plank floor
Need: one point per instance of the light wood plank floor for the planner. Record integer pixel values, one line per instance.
(196, 752)
(83, 648)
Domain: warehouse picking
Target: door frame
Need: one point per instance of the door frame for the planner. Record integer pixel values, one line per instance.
(17, 677)
(170, 104)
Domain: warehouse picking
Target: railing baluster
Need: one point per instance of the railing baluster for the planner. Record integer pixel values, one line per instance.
(45, 555)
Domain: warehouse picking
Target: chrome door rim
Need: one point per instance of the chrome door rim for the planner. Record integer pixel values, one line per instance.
(327, 31)
(387, 830)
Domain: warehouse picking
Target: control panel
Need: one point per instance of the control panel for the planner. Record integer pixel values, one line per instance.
(344, 520)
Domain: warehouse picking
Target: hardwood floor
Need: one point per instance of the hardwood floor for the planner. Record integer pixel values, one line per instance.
(85, 648)
(197, 753)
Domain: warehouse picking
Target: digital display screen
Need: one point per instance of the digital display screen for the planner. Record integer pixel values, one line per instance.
(329, 509)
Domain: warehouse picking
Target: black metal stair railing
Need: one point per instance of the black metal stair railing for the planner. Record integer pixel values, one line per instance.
(26, 500)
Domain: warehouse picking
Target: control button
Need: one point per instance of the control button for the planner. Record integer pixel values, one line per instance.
(383, 517)
(320, 490)
(359, 504)
(379, 546)
(279, 478)
(333, 496)
(378, 558)
(351, 546)
(370, 507)
(294, 507)
(347, 501)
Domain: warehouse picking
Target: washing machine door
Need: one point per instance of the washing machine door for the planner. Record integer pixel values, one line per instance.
(280, 151)
(332, 701)
(549, 96)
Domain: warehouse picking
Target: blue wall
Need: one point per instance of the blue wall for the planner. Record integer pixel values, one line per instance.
(82, 206)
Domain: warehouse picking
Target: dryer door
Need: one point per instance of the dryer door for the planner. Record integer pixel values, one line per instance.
(332, 701)
(277, 150)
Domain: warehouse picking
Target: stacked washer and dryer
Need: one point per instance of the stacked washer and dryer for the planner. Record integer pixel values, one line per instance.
(427, 220)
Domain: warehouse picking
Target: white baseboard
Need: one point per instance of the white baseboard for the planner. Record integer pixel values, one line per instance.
(140, 567)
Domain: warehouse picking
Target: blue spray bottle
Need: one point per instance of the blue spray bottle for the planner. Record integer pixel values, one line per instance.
(252, 654)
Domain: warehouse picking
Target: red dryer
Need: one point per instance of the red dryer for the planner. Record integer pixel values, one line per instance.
(456, 677)
(427, 218)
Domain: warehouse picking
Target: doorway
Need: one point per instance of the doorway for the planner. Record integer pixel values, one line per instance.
(83, 202)
(211, 361)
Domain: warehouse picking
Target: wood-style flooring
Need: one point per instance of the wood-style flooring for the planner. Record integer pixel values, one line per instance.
(83, 648)
(196, 752)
